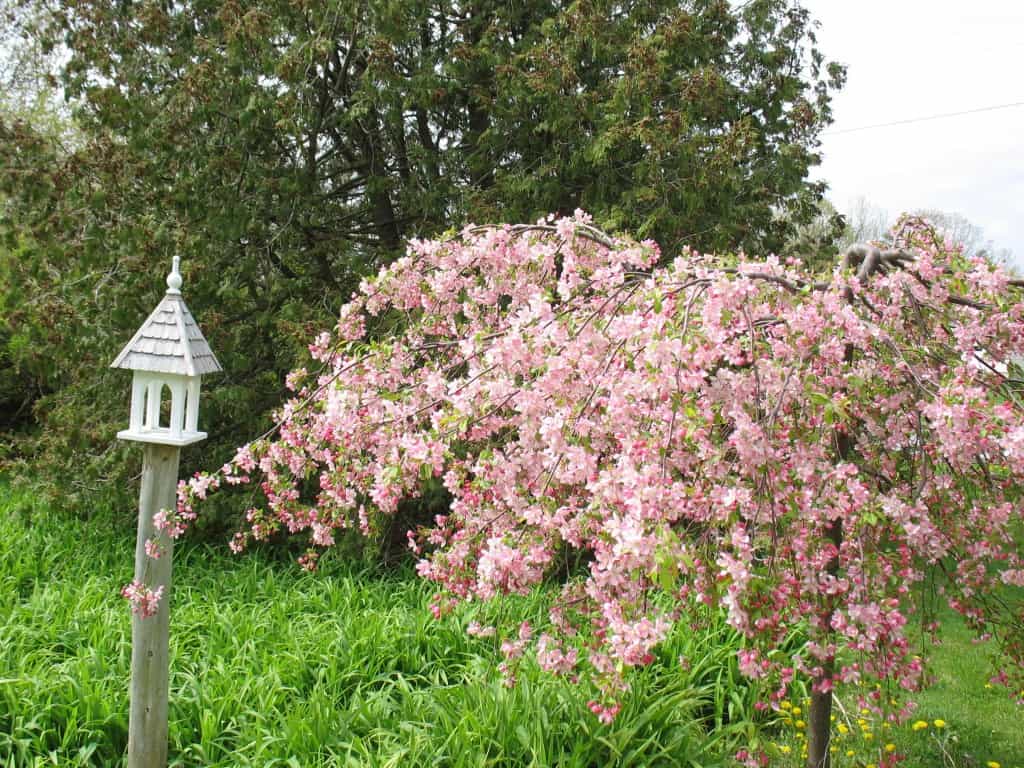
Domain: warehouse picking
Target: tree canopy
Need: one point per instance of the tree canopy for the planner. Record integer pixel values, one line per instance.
(804, 453)
(284, 149)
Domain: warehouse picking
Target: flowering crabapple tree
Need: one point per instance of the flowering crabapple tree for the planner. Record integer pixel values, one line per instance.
(714, 431)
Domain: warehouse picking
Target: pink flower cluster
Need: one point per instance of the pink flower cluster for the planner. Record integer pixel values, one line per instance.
(605, 712)
(707, 432)
(144, 601)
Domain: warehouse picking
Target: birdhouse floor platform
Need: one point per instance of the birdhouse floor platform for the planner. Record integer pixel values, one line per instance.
(162, 437)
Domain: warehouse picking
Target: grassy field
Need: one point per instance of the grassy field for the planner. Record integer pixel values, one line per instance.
(271, 666)
(961, 721)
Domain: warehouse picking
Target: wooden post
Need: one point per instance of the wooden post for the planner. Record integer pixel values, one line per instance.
(147, 720)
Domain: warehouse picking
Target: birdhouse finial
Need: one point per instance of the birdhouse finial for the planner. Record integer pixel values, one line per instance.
(174, 279)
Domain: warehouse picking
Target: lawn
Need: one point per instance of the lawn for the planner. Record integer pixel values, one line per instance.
(272, 666)
(961, 721)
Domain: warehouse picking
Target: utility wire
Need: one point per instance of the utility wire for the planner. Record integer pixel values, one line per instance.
(925, 119)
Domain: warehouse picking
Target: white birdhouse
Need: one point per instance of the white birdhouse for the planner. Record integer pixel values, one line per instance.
(168, 355)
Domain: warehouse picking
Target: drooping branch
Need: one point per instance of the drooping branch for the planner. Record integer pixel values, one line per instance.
(654, 422)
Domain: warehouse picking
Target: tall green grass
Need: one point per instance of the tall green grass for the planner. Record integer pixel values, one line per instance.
(271, 666)
(274, 667)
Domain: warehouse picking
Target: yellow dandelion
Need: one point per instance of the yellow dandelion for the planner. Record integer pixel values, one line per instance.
(786, 705)
(785, 749)
(797, 711)
(993, 764)
(850, 753)
(890, 747)
(939, 723)
(865, 711)
(870, 765)
(843, 729)
(800, 724)
(868, 736)
(919, 725)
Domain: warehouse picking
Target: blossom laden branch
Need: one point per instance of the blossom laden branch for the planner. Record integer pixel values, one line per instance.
(680, 427)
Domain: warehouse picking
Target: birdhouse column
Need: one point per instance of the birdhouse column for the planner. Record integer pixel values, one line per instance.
(168, 350)
(138, 403)
(153, 405)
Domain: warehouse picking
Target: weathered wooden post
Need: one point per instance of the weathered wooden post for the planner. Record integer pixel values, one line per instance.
(167, 353)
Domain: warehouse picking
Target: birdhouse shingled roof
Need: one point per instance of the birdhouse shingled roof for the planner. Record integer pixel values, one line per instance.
(169, 342)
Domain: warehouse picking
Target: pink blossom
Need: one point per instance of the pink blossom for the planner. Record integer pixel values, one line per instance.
(154, 548)
(694, 433)
(144, 601)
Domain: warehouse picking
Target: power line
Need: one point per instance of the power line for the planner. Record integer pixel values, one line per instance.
(925, 119)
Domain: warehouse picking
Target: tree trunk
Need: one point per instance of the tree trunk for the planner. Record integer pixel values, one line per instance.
(819, 727)
(819, 716)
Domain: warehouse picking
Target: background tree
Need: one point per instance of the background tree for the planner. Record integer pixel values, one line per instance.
(28, 93)
(286, 148)
(28, 83)
(865, 223)
(966, 233)
(818, 241)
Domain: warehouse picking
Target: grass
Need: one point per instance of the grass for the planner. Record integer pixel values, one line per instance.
(274, 667)
(961, 721)
(986, 723)
(271, 666)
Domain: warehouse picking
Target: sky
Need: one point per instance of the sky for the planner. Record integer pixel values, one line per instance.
(917, 58)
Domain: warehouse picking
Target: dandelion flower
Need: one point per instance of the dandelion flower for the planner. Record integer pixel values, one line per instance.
(939, 723)
(919, 725)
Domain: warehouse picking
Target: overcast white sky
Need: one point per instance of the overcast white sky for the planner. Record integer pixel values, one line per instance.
(915, 58)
